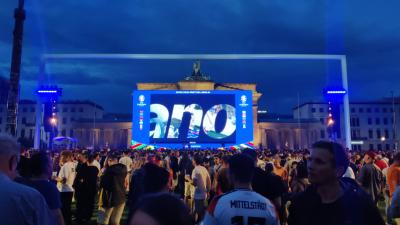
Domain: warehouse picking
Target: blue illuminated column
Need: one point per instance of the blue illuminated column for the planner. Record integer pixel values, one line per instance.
(46, 103)
(335, 97)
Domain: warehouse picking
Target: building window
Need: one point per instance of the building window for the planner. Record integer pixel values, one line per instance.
(361, 110)
(23, 120)
(353, 110)
(71, 133)
(30, 133)
(371, 146)
(1, 109)
(80, 109)
(322, 134)
(72, 119)
(64, 120)
(378, 134)
(63, 132)
(384, 110)
(386, 134)
(377, 121)
(355, 122)
(368, 110)
(72, 109)
(379, 147)
(391, 110)
(22, 133)
(1, 120)
(32, 109)
(353, 134)
(370, 134)
(65, 109)
(385, 121)
(387, 147)
(376, 110)
(321, 120)
(313, 110)
(24, 109)
(392, 120)
(369, 121)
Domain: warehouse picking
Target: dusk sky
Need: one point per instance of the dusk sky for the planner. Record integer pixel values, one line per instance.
(367, 32)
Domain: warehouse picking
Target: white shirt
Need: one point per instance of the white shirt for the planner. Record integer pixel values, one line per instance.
(96, 164)
(241, 206)
(127, 161)
(349, 173)
(21, 204)
(203, 182)
(68, 172)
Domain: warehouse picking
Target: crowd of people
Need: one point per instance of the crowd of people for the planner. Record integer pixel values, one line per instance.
(324, 185)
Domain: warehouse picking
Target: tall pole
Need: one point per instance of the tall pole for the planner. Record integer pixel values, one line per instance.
(13, 93)
(346, 103)
(94, 127)
(298, 118)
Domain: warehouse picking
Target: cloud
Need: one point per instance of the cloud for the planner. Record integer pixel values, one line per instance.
(368, 35)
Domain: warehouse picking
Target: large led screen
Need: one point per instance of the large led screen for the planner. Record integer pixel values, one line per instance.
(192, 118)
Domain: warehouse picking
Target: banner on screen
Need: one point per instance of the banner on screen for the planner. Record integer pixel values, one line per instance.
(192, 118)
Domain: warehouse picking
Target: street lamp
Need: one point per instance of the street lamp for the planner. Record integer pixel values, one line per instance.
(383, 138)
(53, 121)
(330, 122)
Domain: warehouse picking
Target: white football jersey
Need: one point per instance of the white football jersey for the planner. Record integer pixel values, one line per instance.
(241, 207)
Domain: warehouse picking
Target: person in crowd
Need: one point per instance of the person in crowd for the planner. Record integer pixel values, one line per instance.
(221, 181)
(66, 177)
(112, 192)
(299, 181)
(19, 204)
(242, 205)
(41, 167)
(349, 173)
(380, 162)
(155, 180)
(269, 185)
(96, 158)
(202, 185)
(393, 212)
(331, 199)
(186, 168)
(24, 167)
(393, 175)
(353, 163)
(174, 166)
(392, 183)
(292, 170)
(126, 160)
(266, 183)
(136, 186)
(85, 186)
(370, 177)
(160, 209)
(279, 169)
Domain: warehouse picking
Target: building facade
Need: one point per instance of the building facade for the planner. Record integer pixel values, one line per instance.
(68, 114)
(374, 124)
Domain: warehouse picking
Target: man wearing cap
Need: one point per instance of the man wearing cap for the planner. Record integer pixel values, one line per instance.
(370, 177)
